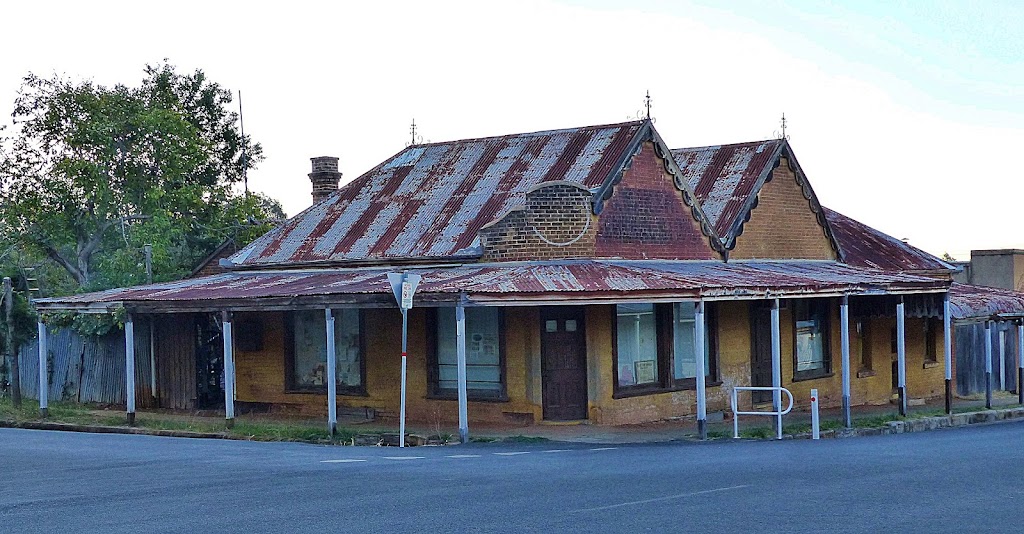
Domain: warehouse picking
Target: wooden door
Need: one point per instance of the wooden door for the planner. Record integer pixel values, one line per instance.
(761, 350)
(564, 362)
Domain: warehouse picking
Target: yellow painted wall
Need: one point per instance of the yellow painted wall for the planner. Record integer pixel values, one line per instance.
(261, 376)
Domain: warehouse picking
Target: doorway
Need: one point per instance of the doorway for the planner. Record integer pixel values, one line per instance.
(761, 350)
(564, 363)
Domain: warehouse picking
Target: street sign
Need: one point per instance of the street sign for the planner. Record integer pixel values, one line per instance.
(404, 285)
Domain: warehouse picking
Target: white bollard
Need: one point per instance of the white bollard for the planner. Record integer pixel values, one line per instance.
(814, 414)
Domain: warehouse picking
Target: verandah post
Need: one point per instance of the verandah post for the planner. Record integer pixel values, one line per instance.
(776, 367)
(988, 365)
(948, 352)
(460, 355)
(698, 347)
(129, 368)
(1020, 362)
(43, 379)
(332, 386)
(901, 356)
(844, 337)
(229, 371)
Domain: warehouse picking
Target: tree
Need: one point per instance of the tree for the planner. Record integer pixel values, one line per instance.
(91, 173)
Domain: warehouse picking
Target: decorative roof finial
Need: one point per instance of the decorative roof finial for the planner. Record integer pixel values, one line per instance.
(783, 123)
(416, 138)
(645, 113)
(647, 104)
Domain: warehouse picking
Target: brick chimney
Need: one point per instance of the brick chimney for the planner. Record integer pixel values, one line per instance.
(325, 177)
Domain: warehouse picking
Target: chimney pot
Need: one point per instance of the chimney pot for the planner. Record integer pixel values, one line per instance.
(325, 177)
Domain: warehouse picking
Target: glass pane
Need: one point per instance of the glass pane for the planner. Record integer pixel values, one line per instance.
(637, 344)
(684, 336)
(570, 325)
(311, 348)
(810, 347)
(346, 344)
(551, 326)
(483, 357)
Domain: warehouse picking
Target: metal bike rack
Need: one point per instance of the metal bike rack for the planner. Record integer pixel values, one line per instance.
(736, 413)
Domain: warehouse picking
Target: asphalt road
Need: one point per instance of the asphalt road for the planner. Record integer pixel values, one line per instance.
(963, 480)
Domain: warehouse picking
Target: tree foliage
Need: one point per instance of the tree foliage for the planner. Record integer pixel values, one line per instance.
(90, 174)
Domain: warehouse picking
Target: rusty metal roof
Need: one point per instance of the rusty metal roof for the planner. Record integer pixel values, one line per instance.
(724, 177)
(429, 200)
(967, 302)
(588, 280)
(863, 246)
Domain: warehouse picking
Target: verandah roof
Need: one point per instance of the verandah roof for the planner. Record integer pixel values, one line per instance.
(565, 281)
(969, 303)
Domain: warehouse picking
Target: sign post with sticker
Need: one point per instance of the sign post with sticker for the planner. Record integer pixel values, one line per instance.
(403, 285)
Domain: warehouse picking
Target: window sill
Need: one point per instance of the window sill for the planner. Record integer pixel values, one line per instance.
(655, 390)
(865, 373)
(930, 365)
(807, 377)
(469, 398)
(340, 393)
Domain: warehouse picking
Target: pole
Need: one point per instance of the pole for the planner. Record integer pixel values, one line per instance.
(11, 350)
(776, 367)
(401, 420)
(44, 387)
(152, 359)
(1002, 359)
(129, 368)
(148, 249)
(698, 347)
(460, 351)
(1020, 363)
(815, 426)
(844, 337)
(948, 353)
(332, 373)
(988, 365)
(229, 371)
(901, 355)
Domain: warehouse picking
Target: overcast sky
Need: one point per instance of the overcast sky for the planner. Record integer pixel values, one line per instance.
(907, 118)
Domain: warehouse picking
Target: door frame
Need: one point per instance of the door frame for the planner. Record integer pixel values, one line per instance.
(757, 308)
(565, 312)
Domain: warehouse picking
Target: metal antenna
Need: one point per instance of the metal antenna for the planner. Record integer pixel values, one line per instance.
(245, 159)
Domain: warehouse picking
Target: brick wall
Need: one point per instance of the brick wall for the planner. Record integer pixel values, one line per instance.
(556, 222)
(647, 218)
(782, 226)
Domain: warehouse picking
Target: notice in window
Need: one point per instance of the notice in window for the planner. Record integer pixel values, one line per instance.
(646, 371)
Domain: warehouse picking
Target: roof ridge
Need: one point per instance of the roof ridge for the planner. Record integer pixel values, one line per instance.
(538, 132)
(760, 141)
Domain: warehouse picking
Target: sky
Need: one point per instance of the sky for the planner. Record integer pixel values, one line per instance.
(908, 116)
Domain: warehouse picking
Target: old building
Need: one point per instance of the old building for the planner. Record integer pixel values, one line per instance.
(602, 276)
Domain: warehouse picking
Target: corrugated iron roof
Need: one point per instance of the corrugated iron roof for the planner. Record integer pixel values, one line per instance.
(723, 177)
(429, 201)
(863, 246)
(567, 279)
(968, 302)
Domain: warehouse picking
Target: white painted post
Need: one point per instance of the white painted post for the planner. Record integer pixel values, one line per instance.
(44, 382)
(1002, 359)
(988, 364)
(844, 339)
(948, 352)
(776, 367)
(901, 355)
(735, 416)
(229, 371)
(405, 340)
(460, 355)
(1020, 363)
(129, 368)
(332, 373)
(815, 427)
(698, 347)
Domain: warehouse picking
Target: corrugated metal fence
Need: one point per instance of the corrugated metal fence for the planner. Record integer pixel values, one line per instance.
(970, 357)
(87, 369)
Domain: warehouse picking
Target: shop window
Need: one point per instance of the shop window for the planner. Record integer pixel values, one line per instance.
(931, 328)
(655, 347)
(307, 354)
(684, 342)
(485, 368)
(812, 354)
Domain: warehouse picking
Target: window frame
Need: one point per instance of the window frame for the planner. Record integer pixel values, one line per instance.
(290, 385)
(476, 395)
(931, 339)
(824, 307)
(664, 324)
(865, 364)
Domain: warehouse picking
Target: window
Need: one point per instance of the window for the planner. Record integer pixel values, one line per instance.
(485, 369)
(307, 357)
(931, 328)
(812, 355)
(655, 344)
(864, 333)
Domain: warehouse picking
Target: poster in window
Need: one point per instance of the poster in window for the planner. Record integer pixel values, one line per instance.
(646, 371)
